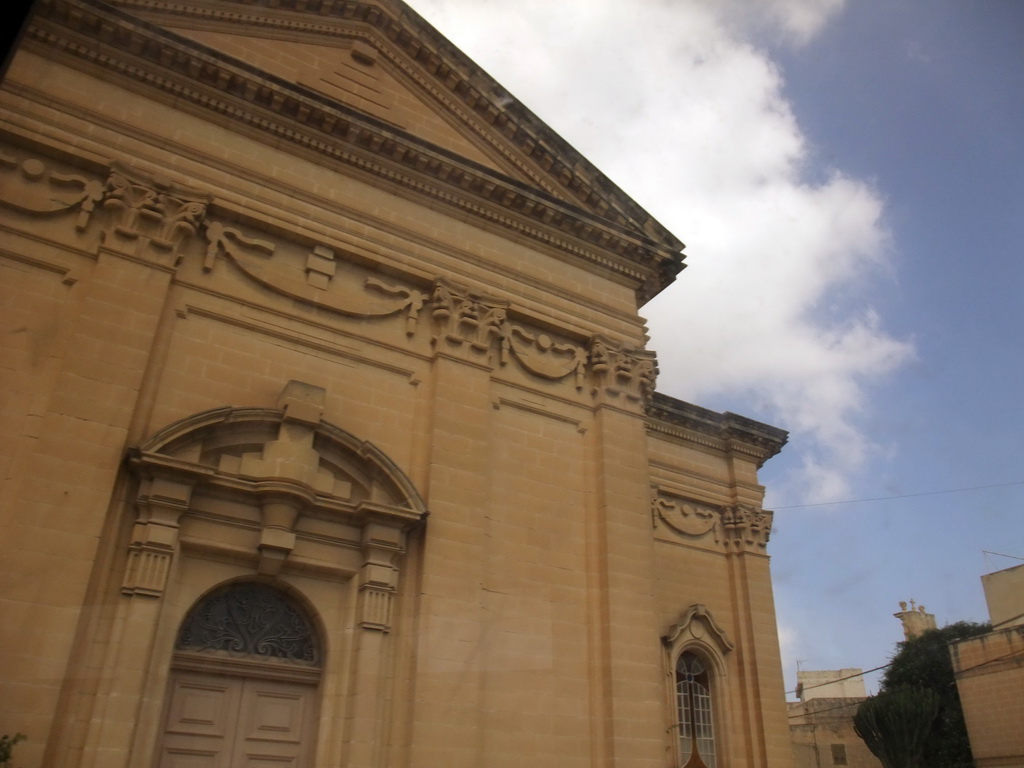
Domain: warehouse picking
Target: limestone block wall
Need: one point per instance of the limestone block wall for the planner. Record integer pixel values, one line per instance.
(231, 361)
(989, 672)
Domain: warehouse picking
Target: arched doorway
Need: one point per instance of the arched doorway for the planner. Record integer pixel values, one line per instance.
(243, 685)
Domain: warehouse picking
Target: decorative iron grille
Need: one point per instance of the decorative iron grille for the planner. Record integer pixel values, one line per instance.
(249, 620)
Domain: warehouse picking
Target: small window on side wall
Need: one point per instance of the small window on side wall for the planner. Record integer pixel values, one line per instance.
(695, 651)
(694, 712)
(839, 754)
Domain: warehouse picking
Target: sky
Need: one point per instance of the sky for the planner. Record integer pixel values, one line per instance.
(849, 180)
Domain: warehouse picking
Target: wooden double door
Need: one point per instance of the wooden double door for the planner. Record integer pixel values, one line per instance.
(222, 721)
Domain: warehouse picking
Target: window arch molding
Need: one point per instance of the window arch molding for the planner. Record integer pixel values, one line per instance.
(697, 637)
(252, 626)
(292, 466)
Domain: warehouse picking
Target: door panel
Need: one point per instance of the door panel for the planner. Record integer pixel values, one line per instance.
(216, 721)
(274, 724)
(201, 721)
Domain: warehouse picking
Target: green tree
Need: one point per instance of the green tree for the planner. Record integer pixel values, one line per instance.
(924, 662)
(896, 724)
(7, 746)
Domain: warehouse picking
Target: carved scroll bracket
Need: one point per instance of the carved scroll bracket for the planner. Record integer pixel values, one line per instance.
(160, 504)
(378, 577)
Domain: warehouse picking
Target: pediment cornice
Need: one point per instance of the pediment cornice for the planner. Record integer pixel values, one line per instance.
(719, 431)
(101, 37)
(454, 80)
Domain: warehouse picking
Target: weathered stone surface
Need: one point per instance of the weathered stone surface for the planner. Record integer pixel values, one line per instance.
(319, 308)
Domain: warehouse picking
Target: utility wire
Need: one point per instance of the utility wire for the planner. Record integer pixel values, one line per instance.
(840, 679)
(902, 496)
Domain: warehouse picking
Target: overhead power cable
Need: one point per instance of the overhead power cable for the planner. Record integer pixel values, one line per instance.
(858, 700)
(901, 496)
(840, 679)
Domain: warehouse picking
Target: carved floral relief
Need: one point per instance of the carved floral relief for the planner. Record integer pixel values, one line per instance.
(154, 218)
(31, 187)
(145, 207)
(685, 516)
(739, 527)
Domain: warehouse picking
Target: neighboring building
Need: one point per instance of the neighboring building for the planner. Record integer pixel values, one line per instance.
(989, 673)
(821, 723)
(915, 621)
(328, 434)
(830, 684)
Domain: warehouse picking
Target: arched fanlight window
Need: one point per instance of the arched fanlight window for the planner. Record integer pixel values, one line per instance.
(694, 713)
(250, 619)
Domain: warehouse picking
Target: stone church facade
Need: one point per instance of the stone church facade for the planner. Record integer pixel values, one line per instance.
(329, 435)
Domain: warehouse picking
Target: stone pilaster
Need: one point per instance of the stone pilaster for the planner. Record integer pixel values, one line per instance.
(628, 709)
(447, 711)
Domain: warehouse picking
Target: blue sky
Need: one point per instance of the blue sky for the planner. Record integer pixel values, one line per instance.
(849, 180)
(923, 99)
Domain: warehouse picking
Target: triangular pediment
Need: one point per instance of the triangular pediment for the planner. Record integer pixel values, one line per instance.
(380, 58)
(368, 86)
(361, 75)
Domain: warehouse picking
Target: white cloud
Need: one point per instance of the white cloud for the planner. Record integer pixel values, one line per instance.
(672, 100)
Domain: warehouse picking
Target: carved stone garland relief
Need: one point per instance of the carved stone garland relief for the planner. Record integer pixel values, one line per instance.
(736, 527)
(152, 217)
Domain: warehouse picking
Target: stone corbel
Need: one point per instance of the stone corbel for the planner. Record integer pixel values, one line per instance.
(277, 537)
(160, 504)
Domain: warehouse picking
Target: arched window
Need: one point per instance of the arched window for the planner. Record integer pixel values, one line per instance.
(696, 695)
(250, 619)
(694, 712)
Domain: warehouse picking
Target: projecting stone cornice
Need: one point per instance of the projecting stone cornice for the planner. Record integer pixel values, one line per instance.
(724, 431)
(455, 81)
(103, 38)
